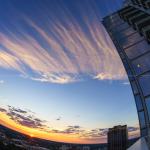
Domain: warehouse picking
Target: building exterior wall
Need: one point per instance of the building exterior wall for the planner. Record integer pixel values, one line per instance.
(117, 138)
(129, 29)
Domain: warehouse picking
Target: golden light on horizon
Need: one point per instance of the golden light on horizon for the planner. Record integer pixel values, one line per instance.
(31, 135)
(6, 121)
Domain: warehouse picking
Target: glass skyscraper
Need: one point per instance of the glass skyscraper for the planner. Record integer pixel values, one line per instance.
(129, 29)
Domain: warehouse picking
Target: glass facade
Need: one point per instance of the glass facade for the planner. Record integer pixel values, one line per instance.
(148, 106)
(130, 34)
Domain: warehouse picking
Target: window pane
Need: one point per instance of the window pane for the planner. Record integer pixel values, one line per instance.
(142, 119)
(121, 27)
(127, 32)
(134, 87)
(142, 64)
(137, 49)
(130, 40)
(147, 100)
(111, 22)
(144, 81)
(144, 132)
(123, 34)
(138, 102)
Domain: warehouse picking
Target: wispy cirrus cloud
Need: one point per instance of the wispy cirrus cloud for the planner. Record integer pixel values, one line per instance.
(61, 49)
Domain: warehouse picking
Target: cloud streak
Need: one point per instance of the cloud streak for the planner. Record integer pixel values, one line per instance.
(61, 50)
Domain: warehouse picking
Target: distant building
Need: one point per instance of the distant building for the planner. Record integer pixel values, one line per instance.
(102, 148)
(86, 148)
(65, 147)
(117, 138)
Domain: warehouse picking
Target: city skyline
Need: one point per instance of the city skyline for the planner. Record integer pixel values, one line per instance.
(61, 77)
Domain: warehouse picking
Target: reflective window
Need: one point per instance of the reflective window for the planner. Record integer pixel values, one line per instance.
(123, 26)
(147, 100)
(144, 81)
(127, 32)
(134, 87)
(137, 49)
(112, 22)
(142, 64)
(142, 119)
(144, 132)
(120, 27)
(130, 40)
(124, 33)
(113, 16)
(138, 102)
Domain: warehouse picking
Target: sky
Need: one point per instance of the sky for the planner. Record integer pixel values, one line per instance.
(61, 78)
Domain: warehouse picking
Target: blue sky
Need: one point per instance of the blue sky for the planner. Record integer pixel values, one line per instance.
(58, 64)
